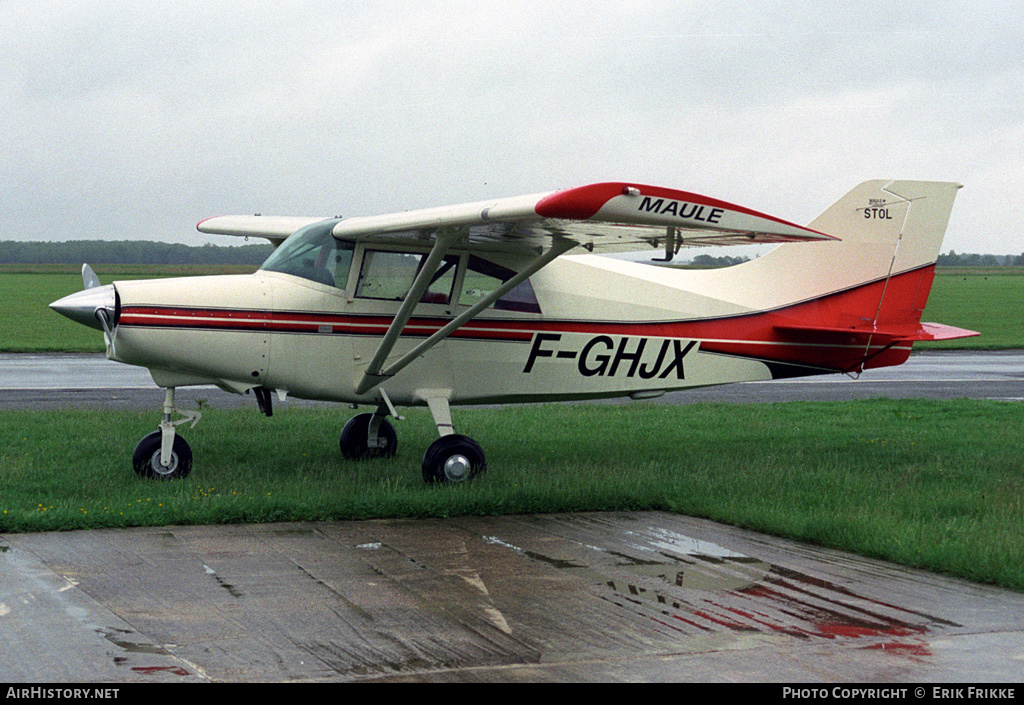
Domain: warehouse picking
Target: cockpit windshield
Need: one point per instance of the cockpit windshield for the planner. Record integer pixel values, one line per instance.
(313, 253)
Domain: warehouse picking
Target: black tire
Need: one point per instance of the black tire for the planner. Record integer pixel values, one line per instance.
(354, 437)
(445, 461)
(146, 459)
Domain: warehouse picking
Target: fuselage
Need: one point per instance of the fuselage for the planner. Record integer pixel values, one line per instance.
(586, 327)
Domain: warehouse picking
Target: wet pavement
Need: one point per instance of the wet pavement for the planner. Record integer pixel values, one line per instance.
(46, 381)
(588, 597)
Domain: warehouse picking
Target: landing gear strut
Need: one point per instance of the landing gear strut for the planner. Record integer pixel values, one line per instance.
(163, 454)
(450, 459)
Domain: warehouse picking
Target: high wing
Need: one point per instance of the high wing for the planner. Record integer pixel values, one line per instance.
(599, 217)
(275, 228)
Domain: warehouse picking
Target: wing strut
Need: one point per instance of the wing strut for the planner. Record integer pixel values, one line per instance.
(374, 375)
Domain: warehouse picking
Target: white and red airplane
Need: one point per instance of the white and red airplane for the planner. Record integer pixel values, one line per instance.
(483, 303)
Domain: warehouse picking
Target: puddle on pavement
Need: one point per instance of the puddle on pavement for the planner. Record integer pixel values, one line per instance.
(697, 587)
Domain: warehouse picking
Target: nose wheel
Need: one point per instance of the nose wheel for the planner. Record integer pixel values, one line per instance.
(147, 463)
(163, 454)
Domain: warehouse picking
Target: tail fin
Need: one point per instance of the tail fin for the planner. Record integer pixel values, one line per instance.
(873, 285)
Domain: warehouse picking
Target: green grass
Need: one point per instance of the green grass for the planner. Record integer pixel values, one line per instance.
(981, 299)
(987, 300)
(930, 484)
(28, 325)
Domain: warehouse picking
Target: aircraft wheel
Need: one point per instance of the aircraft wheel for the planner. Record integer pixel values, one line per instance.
(146, 459)
(354, 438)
(452, 459)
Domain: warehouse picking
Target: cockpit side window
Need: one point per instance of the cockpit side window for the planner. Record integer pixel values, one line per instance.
(313, 253)
(388, 276)
(483, 277)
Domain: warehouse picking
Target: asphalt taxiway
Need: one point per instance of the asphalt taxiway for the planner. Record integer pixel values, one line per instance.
(42, 381)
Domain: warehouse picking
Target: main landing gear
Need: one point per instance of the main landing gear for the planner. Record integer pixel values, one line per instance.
(450, 459)
(368, 436)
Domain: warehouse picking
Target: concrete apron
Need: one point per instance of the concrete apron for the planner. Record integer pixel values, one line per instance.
(581, 597)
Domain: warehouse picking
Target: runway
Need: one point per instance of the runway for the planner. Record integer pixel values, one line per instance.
(42, 381)
(608, 597)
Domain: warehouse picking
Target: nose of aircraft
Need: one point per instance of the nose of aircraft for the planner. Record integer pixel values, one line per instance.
(82, 306)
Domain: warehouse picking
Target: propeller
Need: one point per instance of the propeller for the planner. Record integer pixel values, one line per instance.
(96, 306)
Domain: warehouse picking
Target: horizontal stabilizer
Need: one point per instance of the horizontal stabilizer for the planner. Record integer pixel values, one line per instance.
(938, 331)
(876, 336)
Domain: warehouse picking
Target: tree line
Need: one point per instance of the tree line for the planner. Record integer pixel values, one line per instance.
(148, 252)
(129, 252)
(953, 259)
(950, 259)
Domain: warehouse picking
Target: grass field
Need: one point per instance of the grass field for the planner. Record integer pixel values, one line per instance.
(28, 325)
(930, 484)
(983, 299)
(977, 299)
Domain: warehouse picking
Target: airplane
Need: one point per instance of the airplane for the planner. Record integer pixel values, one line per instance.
(511, 301)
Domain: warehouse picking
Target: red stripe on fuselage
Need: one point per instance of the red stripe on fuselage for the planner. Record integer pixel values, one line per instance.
(753, 335)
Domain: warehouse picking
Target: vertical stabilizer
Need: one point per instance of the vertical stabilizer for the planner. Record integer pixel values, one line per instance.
(874, 284)
(902, 221)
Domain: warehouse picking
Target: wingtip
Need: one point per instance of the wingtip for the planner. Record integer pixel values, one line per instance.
(199, 225)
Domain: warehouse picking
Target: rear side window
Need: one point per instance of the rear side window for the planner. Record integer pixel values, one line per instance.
(483, 277)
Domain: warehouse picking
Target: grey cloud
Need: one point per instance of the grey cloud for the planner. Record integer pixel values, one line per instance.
(137, 119)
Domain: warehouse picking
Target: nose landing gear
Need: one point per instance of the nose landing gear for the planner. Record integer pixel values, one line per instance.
(148, 463)
(163, 454)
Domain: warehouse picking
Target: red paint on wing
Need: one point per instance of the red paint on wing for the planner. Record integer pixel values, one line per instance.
(585, 201)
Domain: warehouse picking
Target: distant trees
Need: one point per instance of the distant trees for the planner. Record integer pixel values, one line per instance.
(952, 259)
(147, 252)
(709, 261)
(129, 252)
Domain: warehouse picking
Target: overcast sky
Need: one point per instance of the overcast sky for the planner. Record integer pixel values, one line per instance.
(136, 119)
